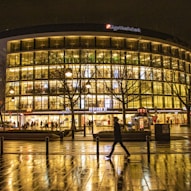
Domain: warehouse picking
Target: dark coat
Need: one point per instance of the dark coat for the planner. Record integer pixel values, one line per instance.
(117, 132)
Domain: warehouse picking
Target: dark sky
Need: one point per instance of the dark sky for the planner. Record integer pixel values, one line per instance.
(168, 16)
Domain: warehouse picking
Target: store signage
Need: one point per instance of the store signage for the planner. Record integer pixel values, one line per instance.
(94, 109)
(123, 28)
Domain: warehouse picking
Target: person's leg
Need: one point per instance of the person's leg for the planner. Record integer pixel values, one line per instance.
(123, 146)
(113, 148)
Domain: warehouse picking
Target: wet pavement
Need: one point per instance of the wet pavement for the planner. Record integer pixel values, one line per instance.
(76, 166)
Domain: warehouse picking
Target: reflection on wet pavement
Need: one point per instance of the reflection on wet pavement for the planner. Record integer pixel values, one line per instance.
(74, 166)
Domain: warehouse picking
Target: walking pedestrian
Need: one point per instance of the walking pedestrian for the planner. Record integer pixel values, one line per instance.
(117, 138)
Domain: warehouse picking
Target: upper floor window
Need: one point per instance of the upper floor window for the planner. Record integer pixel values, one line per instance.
(41, 43)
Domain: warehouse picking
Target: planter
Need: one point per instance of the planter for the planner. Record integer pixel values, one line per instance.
(127, 136)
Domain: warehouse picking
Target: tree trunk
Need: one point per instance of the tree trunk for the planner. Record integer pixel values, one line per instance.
(2, 122)
(188, 115)
(123, 113)
(73, 120)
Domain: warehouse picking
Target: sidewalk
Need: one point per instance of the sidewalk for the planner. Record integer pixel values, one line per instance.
(74, 166)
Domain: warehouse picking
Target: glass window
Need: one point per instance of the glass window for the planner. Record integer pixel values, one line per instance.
(133, 101)
(146, 101)
(117, 43)
(41, 43)
(157, 88)
(181, 65)
(187, 67)
(103, 42)
(145, 59)
(132, 44)
(116, 57)
(157, 74)
(107, 102)
(56, 42)
(182, 78)
(166, 49)
(166, 62)
(167, 89)
(174, 64)
(168, 101)
(102, 86)
(41, 57)
(103, 71)
(14, 46)
(75, 71)
(56, 57)
(53, 72)
(53, 87)
(132, 58)
(41, 72)
(176, 102)
(27, 103)
(156, 60)
(156, 47)
(87, 71)
(12, 74)
(27, 88)
(158, 101)
(72, 42)
(27, 73)
(187, 79)
(41, 102)
(72, 56)
(103, 56)
(56, 102)
(28, 44)
(144, 46)
(174, 51)
(12, 86)
(41, 87)
(183, 90)
(133, 87)
(167, 74)
(13, 60)
(87, 56)
(87, 42)
(175, 77)
(10, 104)
(135, 72)
(27, 58)
(145, 87)
(101, 101)
(116, 104)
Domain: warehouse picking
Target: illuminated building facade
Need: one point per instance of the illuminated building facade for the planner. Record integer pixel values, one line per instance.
(101, 51)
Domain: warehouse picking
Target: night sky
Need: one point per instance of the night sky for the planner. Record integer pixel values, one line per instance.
(169, 16)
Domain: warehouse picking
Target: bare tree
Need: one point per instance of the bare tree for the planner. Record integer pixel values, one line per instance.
(182, 92)
(126, 85)
(72, 88)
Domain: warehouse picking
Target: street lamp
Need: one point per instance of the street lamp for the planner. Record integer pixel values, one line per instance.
(88, 85)
(11, 91)
(68, 72)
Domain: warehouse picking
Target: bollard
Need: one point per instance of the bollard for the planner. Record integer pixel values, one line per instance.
(148, 147)
(2, 142)
(61, 136)
(97, 141)
(47, 145)
(84, 130)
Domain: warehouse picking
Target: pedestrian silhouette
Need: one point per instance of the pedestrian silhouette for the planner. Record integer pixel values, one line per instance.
(117, 138)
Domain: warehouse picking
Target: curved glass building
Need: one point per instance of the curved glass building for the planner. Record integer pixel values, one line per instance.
(148, 60)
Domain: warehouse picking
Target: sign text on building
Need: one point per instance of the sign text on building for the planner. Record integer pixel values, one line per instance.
(123, 28)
